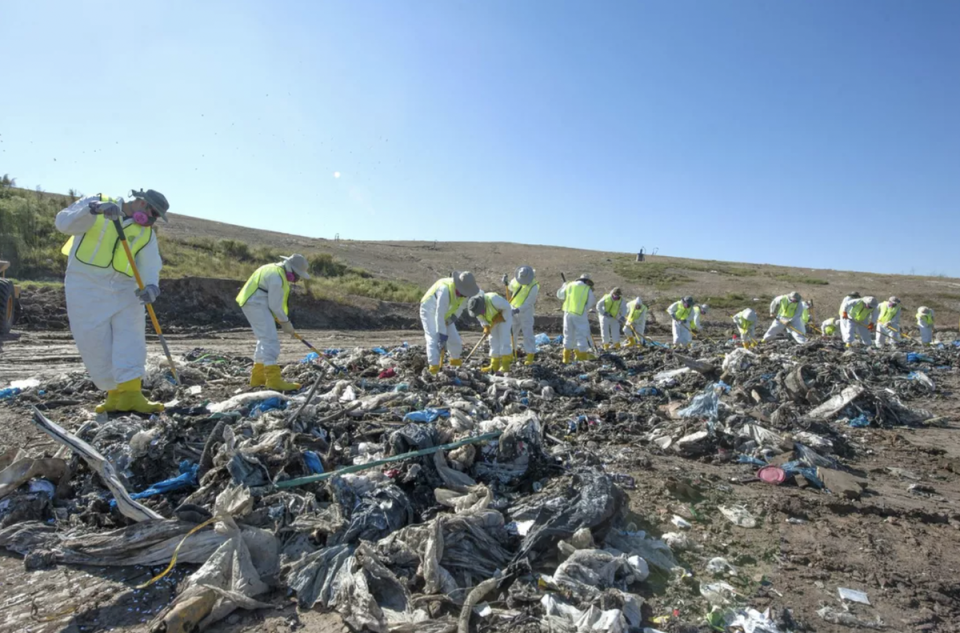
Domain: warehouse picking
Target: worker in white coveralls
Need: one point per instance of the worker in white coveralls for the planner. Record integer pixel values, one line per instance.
(746, 324)
(787, 314)
(264, 301)
(807, 315)
(636, 322)
(698, 311)
(857, 318)
(681, 312)
(522, 292)
(440, 307)
(576, 296)
(104, 304)
(925, 323)
(829, 327)
(888, 322)
(496, 316)
(613, 314)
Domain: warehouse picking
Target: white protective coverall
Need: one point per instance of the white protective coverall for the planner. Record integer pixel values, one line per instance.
(107, 319)
(926, 327)
(781, 319)
(850, 329)
(640, 319)
(432, 313)
(523, 320)
(746, 324)
(681, 331)
(830, 326)
(610, 323)
(260, 309)
(576, 327)
(500, 333)
(884, 332)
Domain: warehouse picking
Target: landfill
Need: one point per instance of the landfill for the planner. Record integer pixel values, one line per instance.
(403, 501)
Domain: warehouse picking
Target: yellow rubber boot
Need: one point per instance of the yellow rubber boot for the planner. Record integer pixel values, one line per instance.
(567, 356)
(614, 345)
(257, 377)
(455, 362)
(434, 369)
(505, 362)
(130, 398)
(606, 346)
(276, 382)
(493, 366)
(531, 359)
(585, 356)
(110, 404)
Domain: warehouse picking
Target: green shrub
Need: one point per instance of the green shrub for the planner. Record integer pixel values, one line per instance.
(801, 279)
(234, 249)
(657, 274)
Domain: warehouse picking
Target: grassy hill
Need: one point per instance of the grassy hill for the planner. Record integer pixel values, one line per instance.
(398, 271)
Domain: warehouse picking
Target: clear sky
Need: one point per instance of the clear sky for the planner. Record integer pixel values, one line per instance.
(821, 133)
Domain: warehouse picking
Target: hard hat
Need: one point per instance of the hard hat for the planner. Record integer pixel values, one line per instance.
(158, 202)
(687, 301)
(476, 305)
(298, 264)
(639, 300)
(585, 278)
(794, 297)
(895, 300)
(870, 302)
(465, 284)
(524, 275)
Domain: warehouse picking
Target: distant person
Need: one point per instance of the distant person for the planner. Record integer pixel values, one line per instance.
(925, 323)
(829, 327)
(104, 304)
(681, 312)
(522, 292)
(613, 314)
(636, 322)
(698, 311)
(576, 296)
(746, 324)
(640, 255)
(888, 322)
(807, 315)
(857, 318)
(264, 301)
(496, 317)
(440, 308)
(787, 316)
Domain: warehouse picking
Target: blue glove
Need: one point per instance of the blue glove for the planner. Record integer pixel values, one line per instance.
(515, 311)
(149, 294)
(443, 339)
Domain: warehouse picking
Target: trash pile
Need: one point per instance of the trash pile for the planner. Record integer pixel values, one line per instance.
(460, 502)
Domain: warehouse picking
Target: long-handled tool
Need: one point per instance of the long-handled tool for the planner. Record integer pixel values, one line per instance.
(153, 315)
(313, 349)
(477, 346)
(787, 325)
(900, 332)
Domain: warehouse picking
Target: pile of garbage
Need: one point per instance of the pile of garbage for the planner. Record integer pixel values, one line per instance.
(459, 502)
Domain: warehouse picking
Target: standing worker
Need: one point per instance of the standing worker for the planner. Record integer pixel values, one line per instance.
(845, 325)
(888, 323)
(787, 315)
(698, 311)
(681, 313)
(264, 301)
(576, 296)
(440, 307)
(857, 317)
(829, 327)
(613, 314)
(636, 323)
(104, 304)
(746, 323)
(496, 316)
(807, 315)
(925, 323)
(522, 292)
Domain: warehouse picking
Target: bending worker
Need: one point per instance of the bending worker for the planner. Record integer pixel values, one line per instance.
(263, 300)
(698, 311)
(576, 296)
(439, 309)
(104, 303)
(636, 324)
(613, 314)
(829, 327)
(888, 322)
(746, 323)
(681, 312)
(807, 315)
(857, 317)
(522, 292)
(925, 323)
(496, 317)
(787, 315)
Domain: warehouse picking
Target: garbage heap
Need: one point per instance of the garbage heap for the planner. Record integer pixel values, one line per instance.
(405, 501)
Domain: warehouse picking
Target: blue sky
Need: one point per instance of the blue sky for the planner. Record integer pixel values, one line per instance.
(816, 133)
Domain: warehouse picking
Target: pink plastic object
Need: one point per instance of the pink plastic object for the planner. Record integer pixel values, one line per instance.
(772, 475)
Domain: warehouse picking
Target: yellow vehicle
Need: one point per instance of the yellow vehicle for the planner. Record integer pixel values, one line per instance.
(9, 301)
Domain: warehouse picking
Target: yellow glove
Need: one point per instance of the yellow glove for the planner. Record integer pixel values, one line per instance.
(498, 319)
(486, 329)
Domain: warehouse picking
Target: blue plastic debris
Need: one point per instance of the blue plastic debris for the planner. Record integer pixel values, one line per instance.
(309, 358)
(914, 357)
(381, 351)
(267, 405)
(648, 391)
(426, 415)
(186, 479)
(860, 421)
(9, 392)
(332, 352)
(541, 339)
(809, 473)
(313, 463)
(402, 386)
(753, 461)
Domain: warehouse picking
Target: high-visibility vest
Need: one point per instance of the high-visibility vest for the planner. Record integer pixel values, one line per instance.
(490, 311)
(455, 301)
(806, 315)
(788, 308)
(682, 312)
(829, 326)
(888, 312)
(859, 312)
(635, 311)
(576, 297)
(518, 293)
(611, 307)
(925, 319)
(253, 284)
(100, 245)
(741, 321)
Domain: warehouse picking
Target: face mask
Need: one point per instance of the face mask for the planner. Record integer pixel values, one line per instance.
(142, 218)
(291, 277)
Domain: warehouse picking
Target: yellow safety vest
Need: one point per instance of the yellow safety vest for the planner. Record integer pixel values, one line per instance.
(741, 322)
(888, 312)
(926, 319)
(455, 301)
(490, 311)
(634, 313)
(518, 293)
(787, 308)
(806, 315)
(253, 284)
(100, 245)
(577, 294)
(829, 326)
(859, 312)
(611, 307)
(682, 312)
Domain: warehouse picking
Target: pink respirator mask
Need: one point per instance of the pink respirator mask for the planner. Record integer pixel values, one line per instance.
(291, 276)
(143, 218)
